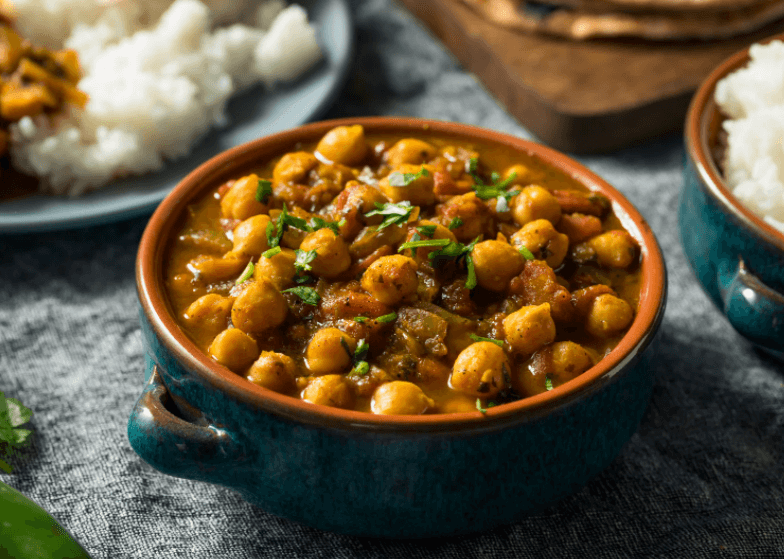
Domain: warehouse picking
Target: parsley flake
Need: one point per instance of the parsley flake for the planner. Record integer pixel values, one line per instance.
(476, 338)
(263, 191)
(308, 295)
(427, 230)
(246, 274)
(484, 409)
(361, 319)
(455, 223)
(548, 383)
(303, 260)
(361, 368)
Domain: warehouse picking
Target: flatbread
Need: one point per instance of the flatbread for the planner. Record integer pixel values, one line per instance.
(583, 25)
(659, 6)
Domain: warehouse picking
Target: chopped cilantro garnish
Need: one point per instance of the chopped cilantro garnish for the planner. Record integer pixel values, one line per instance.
(308, 295)
(471, 279)
(361, 368)
(303, 260)
(246, 274)
(361, 319)
(424, 243)
(12, 416)
(405, 179)
(548, 384)
(271, 252)
(263, 191)
(317, 223)
(476, 338)
(484, 409)
(457, 250)
(427, 230)
(394, 214)
(455, 223)
(527, 254)
(384, 319)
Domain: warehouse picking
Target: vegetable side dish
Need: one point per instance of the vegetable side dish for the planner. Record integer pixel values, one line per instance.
(404, 275)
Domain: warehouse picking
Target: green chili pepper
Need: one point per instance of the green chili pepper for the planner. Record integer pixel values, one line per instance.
(28, 532)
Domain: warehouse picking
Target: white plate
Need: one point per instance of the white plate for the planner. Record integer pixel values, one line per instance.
(252, 114)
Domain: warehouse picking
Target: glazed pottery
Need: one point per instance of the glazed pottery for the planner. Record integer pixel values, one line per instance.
(737, 257)
(371, 475)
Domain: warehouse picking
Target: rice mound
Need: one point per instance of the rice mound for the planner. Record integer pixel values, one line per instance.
(753, 99)
(159, 75)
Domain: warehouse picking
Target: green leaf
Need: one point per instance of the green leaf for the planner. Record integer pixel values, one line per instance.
(12, 414)
(476, 338)
(471, 279)
(308, 295)
(405, 179)
(263, 191)
(271, 252)
(484, 409)
(455, 223)
(394, 214)
(303, 260)
(361, 319)
(246, 274)
(317, 223)
(527, 254)
(361, 368)
(386, 318)
(424, 243)
(427, 230)
(548, 383)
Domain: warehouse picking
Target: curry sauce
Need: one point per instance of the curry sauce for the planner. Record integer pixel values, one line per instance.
(402, 275)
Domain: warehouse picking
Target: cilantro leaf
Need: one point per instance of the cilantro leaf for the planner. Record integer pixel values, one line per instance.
(405, 179)
(303, 260)
(424, 243)
(361, 319)
(548, 383)
(527, 254)
(427, 230)
(476, 338)
(308, 295)
(386, 318)
(394, 214)
(271, 252)
(361, 352)
(455, 223)
(263, 191)
(484, 409)
(361, 368)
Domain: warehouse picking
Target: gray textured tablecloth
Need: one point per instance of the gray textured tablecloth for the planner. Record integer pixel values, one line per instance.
(703, 476)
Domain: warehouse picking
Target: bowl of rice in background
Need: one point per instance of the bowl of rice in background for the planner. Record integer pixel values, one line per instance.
(731, 213)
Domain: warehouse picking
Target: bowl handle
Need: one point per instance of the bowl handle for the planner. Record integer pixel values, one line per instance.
(754, 309)
(175, 446)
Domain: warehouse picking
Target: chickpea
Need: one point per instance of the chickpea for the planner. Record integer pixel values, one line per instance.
(240, 202)
(329, 390)
(259, 307)
(234, 349)
(400, 398)
(614, 249)
(326, 353)
(471, 211)
(480, 370)
(391, 279)
(278, 269)
(332, 257)
(530, 328)
(211, 269)
(523, 175)
(535, 202)
(457, 403)
(344, 144)
(544, 242)
(419, 191)
(274, 371)
(250, 237)
(294, 167)
(496, 263)
(609, 315)
(558, 363)
(210, 312)
(441, 232)
(411, 151)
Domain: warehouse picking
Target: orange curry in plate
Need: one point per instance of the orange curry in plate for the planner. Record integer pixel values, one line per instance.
(404, 275)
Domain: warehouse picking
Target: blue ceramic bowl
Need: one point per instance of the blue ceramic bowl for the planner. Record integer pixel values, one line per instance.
(737, 257)
(370, 475)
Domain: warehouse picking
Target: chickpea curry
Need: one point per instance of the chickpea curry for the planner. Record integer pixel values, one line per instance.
(401, 275)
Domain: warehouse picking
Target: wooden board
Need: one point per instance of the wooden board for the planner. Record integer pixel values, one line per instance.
(581, 97)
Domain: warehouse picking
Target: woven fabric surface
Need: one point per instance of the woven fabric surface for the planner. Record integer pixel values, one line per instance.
(703, 476)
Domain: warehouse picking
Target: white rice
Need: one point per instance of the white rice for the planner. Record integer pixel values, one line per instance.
(159, 75)
(753, 99)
